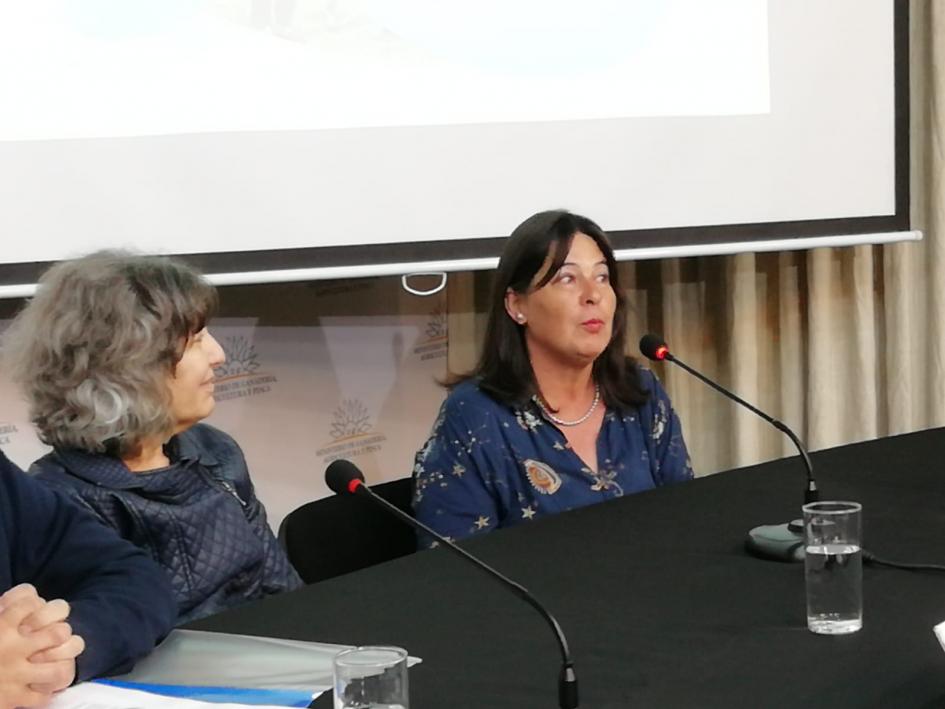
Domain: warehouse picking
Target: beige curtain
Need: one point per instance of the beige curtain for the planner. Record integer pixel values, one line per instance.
(841, 344)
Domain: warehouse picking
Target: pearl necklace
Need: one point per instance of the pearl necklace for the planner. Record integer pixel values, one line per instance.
(562, 422)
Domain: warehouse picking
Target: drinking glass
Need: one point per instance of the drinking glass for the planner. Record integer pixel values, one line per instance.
(371, 678)
(833, 567)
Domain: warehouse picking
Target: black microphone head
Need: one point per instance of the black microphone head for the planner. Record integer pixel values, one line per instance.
(653, 347)
(340, 474)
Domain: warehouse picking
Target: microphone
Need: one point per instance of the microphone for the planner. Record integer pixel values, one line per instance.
(344, 478)
(781, 542)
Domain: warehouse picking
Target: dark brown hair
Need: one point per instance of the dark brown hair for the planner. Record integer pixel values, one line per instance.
(504, 369)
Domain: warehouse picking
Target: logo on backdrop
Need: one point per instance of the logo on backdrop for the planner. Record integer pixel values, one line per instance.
(241, 375)
(433, 345)
(352, 432)
(7, 430)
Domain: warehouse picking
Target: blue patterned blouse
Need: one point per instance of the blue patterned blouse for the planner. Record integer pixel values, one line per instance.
(487, 465)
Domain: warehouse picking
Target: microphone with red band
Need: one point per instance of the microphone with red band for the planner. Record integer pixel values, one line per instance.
(344, 478)
(783, 542)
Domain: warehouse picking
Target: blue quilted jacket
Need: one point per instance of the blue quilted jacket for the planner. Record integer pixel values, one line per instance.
(199, 518)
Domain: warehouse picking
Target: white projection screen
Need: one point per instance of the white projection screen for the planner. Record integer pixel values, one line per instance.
(349, 137)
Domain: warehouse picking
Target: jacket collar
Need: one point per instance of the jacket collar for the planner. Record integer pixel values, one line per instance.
(185, 448)
(109, 471)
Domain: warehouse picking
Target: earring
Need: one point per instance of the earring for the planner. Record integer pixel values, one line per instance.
(520, 317)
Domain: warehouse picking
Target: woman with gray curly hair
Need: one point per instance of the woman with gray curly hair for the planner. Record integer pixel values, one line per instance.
(117, 364)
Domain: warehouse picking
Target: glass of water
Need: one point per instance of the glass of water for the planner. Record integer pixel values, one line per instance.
(371, 678)
(833, 567)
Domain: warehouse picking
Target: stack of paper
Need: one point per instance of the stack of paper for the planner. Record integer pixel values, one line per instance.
(193, 668)
(202, 659)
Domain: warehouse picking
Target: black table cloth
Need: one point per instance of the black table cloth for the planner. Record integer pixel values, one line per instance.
(660, 603)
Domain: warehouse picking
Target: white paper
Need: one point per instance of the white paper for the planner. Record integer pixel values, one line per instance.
(940, 633)
(203, 659)
(90, 695)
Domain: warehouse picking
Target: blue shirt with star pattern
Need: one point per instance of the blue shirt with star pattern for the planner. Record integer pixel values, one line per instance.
(488, 465)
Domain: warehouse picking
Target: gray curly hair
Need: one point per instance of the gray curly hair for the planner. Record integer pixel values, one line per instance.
(93, 349)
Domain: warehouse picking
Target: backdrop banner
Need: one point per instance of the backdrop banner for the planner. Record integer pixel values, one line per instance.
(354, 383)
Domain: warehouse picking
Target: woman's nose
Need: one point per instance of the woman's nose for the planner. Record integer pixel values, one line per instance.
(592, 291)
(215, 350)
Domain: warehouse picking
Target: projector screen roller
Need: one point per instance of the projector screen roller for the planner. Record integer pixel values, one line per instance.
(261, 135)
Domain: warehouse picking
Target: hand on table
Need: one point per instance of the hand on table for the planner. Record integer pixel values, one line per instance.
(37, 648)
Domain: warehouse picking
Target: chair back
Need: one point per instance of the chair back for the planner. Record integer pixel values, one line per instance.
(343, 533)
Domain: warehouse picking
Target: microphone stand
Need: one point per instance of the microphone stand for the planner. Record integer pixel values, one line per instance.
(780, 542)
(567, 679)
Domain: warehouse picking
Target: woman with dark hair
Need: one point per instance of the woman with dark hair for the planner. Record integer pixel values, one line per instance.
(117, 364)
(555, 415)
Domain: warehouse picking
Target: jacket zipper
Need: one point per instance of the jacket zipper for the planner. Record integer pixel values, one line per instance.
(232, 490)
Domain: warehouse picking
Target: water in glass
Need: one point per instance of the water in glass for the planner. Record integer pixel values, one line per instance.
(834, 588)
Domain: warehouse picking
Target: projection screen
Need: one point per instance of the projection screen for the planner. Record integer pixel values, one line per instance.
(295, 139)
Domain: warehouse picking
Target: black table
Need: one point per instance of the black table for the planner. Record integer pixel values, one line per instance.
(660, 603)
